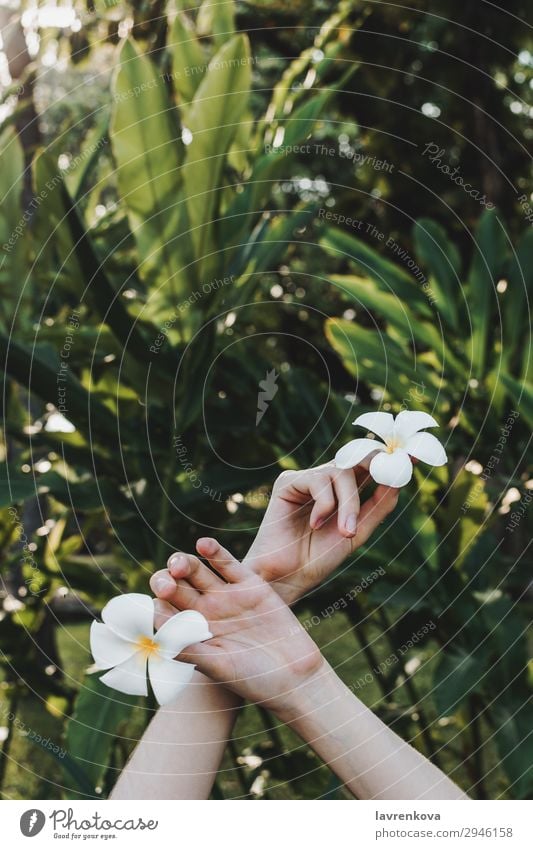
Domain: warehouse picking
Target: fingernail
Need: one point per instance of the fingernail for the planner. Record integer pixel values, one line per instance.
(351, 523)
(162, 583)
(208, 543)
(176, 561)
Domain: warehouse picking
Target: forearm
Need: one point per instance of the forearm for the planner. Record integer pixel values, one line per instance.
(369, 758)
(181, 750)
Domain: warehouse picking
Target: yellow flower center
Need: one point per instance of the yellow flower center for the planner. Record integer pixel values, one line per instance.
(392, 445)
(148, 646)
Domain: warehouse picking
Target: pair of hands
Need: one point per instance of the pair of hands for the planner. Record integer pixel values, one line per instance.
(314, 521)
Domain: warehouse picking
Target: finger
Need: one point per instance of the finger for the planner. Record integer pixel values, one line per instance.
(221, 559)
(348, 504)
(178, 593)
(188, 568)
(321, 490)
(375, 510)
(362, 476)
(163, 611)
(199, 654)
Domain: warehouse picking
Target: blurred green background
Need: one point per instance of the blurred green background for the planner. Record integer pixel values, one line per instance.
(194, 195)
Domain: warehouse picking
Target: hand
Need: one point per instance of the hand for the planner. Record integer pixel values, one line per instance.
(315, 521)
(259, 649)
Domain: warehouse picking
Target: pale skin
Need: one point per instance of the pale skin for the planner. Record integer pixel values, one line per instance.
(304, 536)
(260, 651)
(307, 531)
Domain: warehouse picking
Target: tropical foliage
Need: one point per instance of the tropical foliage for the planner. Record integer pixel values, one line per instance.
(181, 236)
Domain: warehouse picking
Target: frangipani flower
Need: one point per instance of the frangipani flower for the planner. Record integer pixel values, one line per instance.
(125, 643)
(402, 437)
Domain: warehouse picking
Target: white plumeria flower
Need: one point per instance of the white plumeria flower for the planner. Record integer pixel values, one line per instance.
(126, 645)
(402, 437)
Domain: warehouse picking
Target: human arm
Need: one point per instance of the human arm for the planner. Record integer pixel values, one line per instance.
(302, 539)
(366, 755)
(181, 750)
(261, 651)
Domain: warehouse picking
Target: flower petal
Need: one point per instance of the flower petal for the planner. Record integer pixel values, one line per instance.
(381, 424)
(393, 469)
(168, 677)
(107, 648)
(130, 616)
(426, 447)
(182, 630)
(356, 451)
(408, 422)
(129, 677)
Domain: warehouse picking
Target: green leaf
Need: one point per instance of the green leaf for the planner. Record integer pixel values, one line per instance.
(89, 495)
(390, 277)
(521, 395)
(397, 312)
(301, 122)
(13, 227)
(375, 358)
(82, 783)
(490, 253)
(287, 91)
(99, 290)
(90, 281)
(217, 18)
(267, 167)
(458, 674)
(38, 369)
(85, 574)
(16, 487)
(144, 137)
(513, 718)
(213, 118)
(189, 62)
(462, 516)
(516, 306)
(94, 726)
(82, 166)
(50, 230)
(269, 242)
(443, 261)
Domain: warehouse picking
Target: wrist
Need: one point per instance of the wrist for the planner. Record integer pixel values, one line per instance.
(259, 564)
(316, 691)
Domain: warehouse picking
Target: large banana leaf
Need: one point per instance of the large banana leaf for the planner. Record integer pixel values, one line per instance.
(270, 166)
(516, 310)
(13, 228)
(217, 18)
(489, 258)
(93, 728)
(389, 276)
(148, 154)
(442, 259)
(189, 61)
(522, 396)
(367, 292)
(377, 359)
(212, 119)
